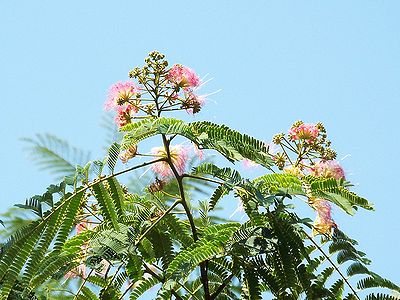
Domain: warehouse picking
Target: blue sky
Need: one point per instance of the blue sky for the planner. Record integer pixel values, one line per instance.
(276, 62)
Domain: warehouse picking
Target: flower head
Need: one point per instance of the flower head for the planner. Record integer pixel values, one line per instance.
(249, 164)
(83, 225)
(124, 114)
(199, 153)
(193, 103)
(323, 223)
(328, 169)
(128, 154)
(120, 91)
(308, 132)
(179, 156)
(183, 76)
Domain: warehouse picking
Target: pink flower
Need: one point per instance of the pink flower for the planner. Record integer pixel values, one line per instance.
(199, 153)
(183, 76)
(128, 154)
(193, 103)
(179, 156)
(308, 132)
(328, 169)
(83, 225)
(249, 164)
(323, 223)
(124, 114)
(120, 91)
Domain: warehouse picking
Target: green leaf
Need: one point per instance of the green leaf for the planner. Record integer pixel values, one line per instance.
(108, 209)
(56, 155)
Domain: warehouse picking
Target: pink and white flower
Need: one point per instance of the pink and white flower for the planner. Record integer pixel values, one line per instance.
(120, 91)
(83, 225)
(323, 223)
(183, 76)
(193, 103)
(179, 157)
(125, 114)
(199, 153)
(249, 164)
(308, 132)
(328, 169)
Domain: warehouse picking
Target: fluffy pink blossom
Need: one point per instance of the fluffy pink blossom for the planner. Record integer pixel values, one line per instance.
(179, 156)
(328, 169)
(193, 103)
(308, 132)
(124, 114)
(81, 226)
(199, 153)
(120, 90)
(323, 223)
(183, 76)
(249, 164)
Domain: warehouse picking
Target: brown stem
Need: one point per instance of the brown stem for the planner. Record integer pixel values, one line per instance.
(221, 287)
(83, 283)
(202, 178)
(159, 278)
(156, 222)
(203, 265)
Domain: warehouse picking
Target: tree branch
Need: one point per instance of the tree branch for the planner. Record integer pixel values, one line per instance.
(203, 265)
(332, 263)
(222, 286)
(156, 222)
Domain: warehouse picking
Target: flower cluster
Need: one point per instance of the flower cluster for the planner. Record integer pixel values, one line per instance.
(159, 89)
(120, 98)
(305, 150)
(328, 169)
(307, 142)
(306, 132)
(119, 94)
(323, 223)
(179, 156)
(183, 77)
(184, 83)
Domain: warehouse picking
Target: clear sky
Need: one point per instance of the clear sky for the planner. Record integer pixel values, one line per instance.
(276, 61)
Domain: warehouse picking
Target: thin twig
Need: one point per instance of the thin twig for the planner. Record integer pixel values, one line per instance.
(222, 286)
(83, 283)
(331, 262)
(156, 222)
(159, 278)
(202, 178)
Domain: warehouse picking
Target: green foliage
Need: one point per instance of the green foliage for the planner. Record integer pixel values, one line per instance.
(230, 143)
(56, 155)
(109, 241)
